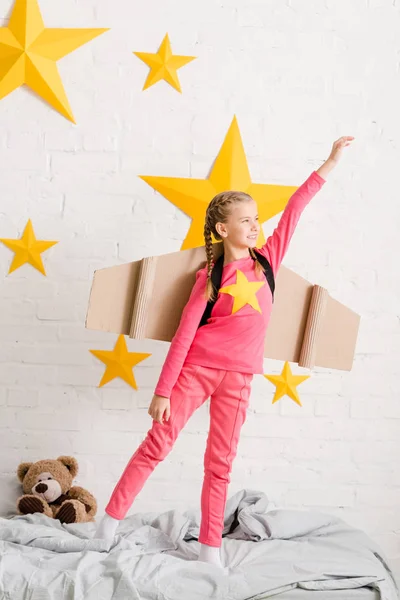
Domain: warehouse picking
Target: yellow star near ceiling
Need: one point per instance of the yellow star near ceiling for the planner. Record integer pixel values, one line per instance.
(243, 292)
(230, 172)
(27, 249)
(28, 54)
(286, 384)
(164, 65)
(119, 362)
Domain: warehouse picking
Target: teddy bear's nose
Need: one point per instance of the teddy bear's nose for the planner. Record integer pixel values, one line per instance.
(41, 488)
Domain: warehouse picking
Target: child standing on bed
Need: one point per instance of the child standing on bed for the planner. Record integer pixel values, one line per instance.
(218, 359)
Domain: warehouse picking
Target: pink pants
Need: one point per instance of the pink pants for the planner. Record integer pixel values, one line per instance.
(229, 392)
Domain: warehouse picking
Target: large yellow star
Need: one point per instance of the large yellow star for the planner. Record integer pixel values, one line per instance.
(230, 172)
(164, 65)
(119, 362)
(243, 291)
(286, 384)
(28, 54)
(27, 249)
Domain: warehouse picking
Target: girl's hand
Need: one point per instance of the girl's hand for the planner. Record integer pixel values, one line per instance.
(338, 146)
(335, 155)
(160, 405)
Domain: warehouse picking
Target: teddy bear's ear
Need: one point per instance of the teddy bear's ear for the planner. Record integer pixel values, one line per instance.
(71, 463)
(22, 470)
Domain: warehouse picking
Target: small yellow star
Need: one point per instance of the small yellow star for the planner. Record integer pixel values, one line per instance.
(27, 249)
(29, 51)
(286, 384)
(119, 362)
(243, 291)
(229, 172)
(163, 65)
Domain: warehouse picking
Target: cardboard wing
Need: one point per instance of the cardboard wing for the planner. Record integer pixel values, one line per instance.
(145, 299)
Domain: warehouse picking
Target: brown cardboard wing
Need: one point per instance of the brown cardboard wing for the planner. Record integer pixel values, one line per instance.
(307, 326)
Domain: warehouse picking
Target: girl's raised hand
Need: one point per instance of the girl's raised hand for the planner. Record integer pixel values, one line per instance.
(338, 146)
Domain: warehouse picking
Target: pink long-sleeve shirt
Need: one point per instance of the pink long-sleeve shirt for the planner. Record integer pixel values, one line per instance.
(234, 342)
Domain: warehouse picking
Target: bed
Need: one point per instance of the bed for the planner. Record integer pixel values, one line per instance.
(282, 553)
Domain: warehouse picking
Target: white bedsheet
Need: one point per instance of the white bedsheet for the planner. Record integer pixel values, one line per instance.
(153, 556)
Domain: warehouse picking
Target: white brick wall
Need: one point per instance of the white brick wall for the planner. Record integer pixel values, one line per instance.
(297, 75)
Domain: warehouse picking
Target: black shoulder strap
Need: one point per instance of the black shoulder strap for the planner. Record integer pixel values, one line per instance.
(268, 272)
(216, 277)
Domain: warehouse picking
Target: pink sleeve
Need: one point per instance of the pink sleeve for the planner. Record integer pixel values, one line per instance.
(277, 244)
(184, 335)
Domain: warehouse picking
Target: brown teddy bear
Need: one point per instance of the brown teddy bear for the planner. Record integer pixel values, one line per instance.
(47, 489)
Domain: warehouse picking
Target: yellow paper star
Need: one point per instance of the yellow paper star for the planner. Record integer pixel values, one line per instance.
(243, 291)
(119, 362)
(27, 249)
(230, 172)
(164, 65)
(28, 54)
(286, 384)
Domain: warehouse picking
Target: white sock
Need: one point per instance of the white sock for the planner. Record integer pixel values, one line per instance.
(107, 528)
(210, 554)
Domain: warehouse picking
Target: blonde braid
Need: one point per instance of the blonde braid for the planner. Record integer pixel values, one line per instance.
(210, 291)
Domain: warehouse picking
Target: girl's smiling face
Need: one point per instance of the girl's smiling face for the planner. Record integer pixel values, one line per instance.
(242, 226)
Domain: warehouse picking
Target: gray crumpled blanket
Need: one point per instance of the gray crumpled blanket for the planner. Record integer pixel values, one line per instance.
(153, 556)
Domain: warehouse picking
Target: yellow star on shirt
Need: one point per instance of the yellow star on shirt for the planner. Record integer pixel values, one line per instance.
(28, 54)
(286, 384)
(164, 65)
(27, 249)
(230, 172)
(119, 362)
(243, 291)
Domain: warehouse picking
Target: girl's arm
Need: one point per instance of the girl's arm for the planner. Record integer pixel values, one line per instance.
(326, 168)
(184, 335)
(277, 244)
